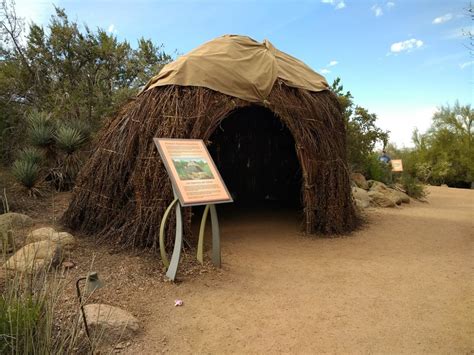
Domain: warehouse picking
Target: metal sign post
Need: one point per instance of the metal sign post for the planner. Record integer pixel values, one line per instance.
(196, 181)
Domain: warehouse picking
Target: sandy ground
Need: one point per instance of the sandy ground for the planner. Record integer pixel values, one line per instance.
(403, 284)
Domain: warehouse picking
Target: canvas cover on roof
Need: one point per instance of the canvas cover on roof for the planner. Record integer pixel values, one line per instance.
(238, 66)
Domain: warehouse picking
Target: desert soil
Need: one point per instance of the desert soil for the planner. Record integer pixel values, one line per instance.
(401, 284)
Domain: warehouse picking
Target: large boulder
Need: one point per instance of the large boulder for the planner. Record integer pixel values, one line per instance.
(35, 257)
(110, 324)
(381, 199)
(361, 197)
(402, 196)
(64, 239)
(396, 196)
(360, 181)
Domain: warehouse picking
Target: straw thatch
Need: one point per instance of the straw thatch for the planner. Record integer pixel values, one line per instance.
(123, 190)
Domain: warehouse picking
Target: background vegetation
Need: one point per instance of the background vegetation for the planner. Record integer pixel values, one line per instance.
(72, 74)
(60, 82)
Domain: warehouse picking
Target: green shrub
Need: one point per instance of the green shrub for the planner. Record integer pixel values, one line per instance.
(26, 172)
(412, 186)
(28, 319)
(379, 171)
(19, 317)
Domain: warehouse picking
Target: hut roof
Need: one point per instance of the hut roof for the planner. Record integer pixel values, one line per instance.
(239, 66)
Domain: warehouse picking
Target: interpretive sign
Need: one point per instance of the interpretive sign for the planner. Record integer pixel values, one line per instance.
(397, 165)
(192, 171)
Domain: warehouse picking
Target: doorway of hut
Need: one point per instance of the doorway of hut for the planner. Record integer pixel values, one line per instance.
(256, 156)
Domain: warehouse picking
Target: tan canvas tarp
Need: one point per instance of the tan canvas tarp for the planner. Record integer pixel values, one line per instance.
(238, 66)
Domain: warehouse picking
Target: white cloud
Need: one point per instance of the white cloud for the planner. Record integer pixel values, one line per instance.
(442, 19)
(332, 63)
(338, 4)
(377, 10)
(401, 120)
(325, 71)
(408, 45)
(34, 11)
(112, 29)
(390, 4)
(466, 64)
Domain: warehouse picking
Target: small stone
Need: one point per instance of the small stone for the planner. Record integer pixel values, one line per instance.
(110, 323)
(68, 264)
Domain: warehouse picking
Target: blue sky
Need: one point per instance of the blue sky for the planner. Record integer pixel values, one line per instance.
(400, 59)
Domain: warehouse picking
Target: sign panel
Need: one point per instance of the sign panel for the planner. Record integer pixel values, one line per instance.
(397, 165)
(192, 171)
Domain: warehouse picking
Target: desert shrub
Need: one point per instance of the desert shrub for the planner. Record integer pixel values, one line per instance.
(27, 316)
(377, 170)
(412, 186)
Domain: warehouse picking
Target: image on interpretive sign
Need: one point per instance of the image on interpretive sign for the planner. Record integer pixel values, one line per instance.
(192, 168)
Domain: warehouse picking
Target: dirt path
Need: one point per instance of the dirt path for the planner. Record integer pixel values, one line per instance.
(404, 284)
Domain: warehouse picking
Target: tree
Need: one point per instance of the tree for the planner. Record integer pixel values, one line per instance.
(445, 153)
(361, 130)
(71, 72)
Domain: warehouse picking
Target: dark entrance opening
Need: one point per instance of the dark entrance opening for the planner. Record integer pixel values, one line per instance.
(255, 154)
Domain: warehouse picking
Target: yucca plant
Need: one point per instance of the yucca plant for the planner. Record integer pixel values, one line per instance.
(31, 154)
(27, 174)
(40, 129)
(69, 139)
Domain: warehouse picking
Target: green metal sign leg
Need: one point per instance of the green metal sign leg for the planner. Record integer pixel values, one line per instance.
(178, 242)
(164, 257)
(200, 247)
(216, 238)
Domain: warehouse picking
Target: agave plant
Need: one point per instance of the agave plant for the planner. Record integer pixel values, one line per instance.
(28, 174)
(31, 154)
(69, 139)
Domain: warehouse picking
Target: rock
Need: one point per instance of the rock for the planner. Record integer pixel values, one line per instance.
(396, 196)
(35, 257)
(64, 239)
(360, 181)
(361, 197)
(67, 264)
(111, 324)
(14, 220)
(402, 196)
(8, 223)
(377, 186)
(381, 199)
